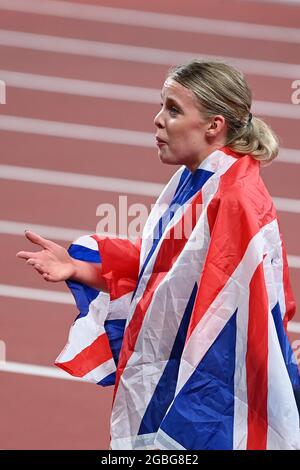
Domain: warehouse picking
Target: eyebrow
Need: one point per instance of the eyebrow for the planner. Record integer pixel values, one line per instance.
(170, 98)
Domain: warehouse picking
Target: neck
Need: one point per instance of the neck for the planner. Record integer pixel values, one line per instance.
(204, 154)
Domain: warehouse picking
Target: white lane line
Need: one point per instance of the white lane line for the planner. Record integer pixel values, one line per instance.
(282, 2)
(289, 156)
(9, 227)
(80, 87)
(76, 131)
(27, 293)
(294, 261)
(39, 371)
(103, 183)
(122, 92)
(294, 327)
(77, 180)
(101, 134)
(287, 205)
(155, 20)
(278, 110)
(42, 42)
(43, 295)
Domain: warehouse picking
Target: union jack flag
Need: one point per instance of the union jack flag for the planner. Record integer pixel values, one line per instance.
(193, 331)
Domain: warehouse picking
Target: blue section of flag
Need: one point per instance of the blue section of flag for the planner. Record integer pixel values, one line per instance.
(84, 254)
(190, 185)
(165, 390)
(115, 332)
(287, 352)
(83, 294)
(184, 175)
(108, 380)
(205, 405)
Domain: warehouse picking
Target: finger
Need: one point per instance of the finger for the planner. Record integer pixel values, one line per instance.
(31, 262)
(37, 239)
(25, 254)
(39, 268)
(48, 277)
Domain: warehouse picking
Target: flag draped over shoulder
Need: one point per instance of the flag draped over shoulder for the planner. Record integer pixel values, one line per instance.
(193, 331)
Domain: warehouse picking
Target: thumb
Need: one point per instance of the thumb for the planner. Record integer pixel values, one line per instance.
(37, 239)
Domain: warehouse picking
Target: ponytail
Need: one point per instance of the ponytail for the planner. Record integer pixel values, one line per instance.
(256, 139)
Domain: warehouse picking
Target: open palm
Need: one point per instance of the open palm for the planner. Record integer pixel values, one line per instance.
(53, 262)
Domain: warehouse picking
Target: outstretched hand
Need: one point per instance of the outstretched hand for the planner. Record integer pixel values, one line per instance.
(53, 262)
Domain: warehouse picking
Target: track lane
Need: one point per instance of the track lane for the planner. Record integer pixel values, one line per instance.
(42, 343)
(248, 11)
(125, 72)
(41, 413)
(49, 413)
(57, 205)
(98, 158)
(150, 37)
(111, 113)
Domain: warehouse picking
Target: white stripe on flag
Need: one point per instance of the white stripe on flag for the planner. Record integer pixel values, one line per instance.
(210, 325)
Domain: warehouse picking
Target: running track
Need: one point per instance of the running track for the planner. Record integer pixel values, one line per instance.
(82, 48)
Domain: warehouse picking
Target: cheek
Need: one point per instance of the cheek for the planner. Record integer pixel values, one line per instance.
(185, 139)
(177, 134)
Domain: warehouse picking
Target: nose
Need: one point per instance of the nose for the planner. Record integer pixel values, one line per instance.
(158, 120)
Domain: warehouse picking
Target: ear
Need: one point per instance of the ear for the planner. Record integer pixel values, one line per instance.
(216, 125)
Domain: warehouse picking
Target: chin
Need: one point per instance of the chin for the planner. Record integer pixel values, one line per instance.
(167, 160)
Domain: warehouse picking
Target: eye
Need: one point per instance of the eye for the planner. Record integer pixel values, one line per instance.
(173, 110)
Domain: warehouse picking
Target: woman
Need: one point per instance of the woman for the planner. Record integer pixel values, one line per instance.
(193, 330)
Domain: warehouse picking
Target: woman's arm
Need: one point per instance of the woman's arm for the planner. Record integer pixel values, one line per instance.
(55, 264)
(89, 274)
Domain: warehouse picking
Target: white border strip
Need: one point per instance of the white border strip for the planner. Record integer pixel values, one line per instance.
(10, 227)
(294, 261)
(294, 327)
(103, 183)
(101, 134)
(28, 293)
(113, 91)
(278, 110)
(124, 52)
(287, 205)
(39, 371)
(77, 180)
(147, 19)
(282, 2)
(288, 156)
(77, 87)
(76, 131)
(44, 295)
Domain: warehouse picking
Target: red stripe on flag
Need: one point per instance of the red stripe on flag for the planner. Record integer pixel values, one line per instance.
(120, 264)
(89, 358)
(257, 362)
(235, 215)
(170, 249)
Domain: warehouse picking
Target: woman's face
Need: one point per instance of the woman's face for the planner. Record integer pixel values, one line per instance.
(181, 128)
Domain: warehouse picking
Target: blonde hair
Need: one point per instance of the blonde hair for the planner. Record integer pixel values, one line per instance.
(222, 89)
